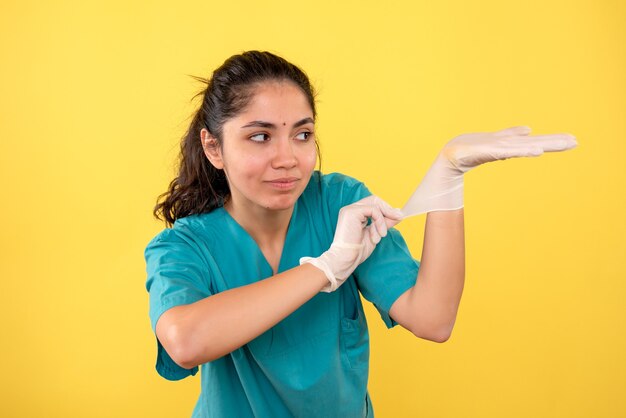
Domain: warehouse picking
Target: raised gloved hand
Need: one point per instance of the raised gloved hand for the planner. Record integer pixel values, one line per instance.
(354, 239)
(442, 186)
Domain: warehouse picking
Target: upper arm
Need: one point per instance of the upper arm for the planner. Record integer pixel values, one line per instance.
(177, 276)
(387, 276)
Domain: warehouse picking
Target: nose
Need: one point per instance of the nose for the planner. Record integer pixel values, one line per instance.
(284, 155)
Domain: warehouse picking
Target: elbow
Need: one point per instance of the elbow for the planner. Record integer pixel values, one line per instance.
(186, 345)
(437, 337)
(441, 336)
(188, 352)
(178, 347)
(437, 334)
(184, 360)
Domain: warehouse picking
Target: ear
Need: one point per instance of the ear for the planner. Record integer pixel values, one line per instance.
(211, 149)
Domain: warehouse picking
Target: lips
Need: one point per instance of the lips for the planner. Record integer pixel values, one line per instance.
(284, 183)
(285, 180)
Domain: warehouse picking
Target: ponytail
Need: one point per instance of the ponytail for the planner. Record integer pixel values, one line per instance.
(199, 186)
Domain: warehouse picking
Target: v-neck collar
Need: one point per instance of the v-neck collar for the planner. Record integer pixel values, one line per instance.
(260, 254)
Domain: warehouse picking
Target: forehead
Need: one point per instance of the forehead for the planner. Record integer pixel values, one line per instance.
(272, 100)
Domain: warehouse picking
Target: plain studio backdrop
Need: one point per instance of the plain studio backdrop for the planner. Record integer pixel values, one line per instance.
(95, 96)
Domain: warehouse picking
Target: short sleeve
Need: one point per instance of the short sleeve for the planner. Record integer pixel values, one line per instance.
(387, 274)
(177, 275)
(390, 270)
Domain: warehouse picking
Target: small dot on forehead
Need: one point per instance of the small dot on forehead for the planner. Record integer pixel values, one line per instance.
(284, 124)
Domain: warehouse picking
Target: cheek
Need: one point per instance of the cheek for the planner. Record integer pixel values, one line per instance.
(241, 163)
(250, 167)
(308, 158)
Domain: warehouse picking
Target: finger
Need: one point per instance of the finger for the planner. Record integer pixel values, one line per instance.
(506, 153)
(360, 215)
(391, 223)
(387, 210)
(378, 221)
(391, 212)
(369, 200)
(388, 218)
(374, 235)
(548, 143)
(515, 130)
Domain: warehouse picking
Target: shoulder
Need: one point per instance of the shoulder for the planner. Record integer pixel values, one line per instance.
(189, 232)
(337, 186)
(326, 194)
(334, 180)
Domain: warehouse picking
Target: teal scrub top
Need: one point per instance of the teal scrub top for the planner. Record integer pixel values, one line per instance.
(313, 363)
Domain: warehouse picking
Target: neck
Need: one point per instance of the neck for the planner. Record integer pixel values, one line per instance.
(267, 227)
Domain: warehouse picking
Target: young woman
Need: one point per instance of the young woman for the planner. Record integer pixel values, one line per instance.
(258, 279)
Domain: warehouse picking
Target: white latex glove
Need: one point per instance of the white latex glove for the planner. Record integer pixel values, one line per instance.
(442, 186)
(354, 239)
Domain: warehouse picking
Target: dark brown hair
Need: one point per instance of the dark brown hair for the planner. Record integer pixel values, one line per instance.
(200, 187)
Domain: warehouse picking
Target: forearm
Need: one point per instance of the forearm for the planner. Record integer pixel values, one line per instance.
(212, 327)
(435, 298)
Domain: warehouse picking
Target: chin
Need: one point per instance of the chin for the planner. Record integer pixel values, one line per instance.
(282, 203)
(283, 206)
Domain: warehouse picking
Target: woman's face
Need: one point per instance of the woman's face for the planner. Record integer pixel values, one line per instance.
(268, 151)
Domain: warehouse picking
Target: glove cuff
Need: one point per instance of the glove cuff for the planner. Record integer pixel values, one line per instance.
(334, 263)
(441, 189)
(322, 265)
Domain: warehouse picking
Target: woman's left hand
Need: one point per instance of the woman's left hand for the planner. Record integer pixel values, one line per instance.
(442, 186)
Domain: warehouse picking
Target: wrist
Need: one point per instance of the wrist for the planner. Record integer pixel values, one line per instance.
(322, 265)
(315, 273)
(337, 263)
(446, 164)
(441, 189)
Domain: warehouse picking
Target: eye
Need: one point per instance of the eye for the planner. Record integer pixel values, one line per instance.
(304, 136)
(260, 137)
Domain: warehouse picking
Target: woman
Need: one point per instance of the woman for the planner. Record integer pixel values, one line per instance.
(258, 279)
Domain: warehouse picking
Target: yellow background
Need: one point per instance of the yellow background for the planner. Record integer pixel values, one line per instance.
(95, 96)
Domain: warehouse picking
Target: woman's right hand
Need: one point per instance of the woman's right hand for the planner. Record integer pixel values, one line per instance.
(360, 227)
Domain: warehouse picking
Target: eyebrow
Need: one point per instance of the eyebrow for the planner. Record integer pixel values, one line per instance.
(262, 124)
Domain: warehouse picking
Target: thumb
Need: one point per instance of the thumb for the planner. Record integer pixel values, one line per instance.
(392, 222)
